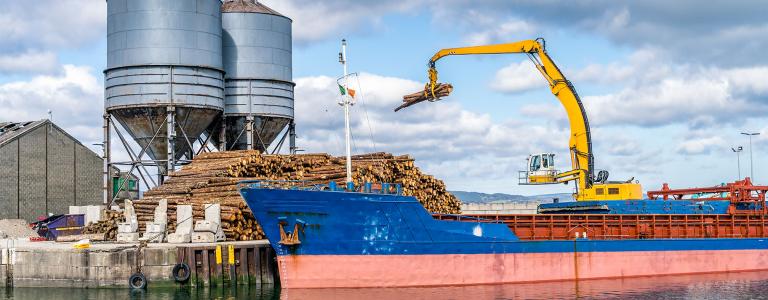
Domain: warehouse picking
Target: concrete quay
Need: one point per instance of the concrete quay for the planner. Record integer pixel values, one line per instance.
(55, 264)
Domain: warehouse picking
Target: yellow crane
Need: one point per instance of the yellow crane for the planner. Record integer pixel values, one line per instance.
(540, 167)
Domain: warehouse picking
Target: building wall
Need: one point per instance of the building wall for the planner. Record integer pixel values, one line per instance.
(45, 171)
(61, 171)
(89, 176)
(32, 174)
(9, 180)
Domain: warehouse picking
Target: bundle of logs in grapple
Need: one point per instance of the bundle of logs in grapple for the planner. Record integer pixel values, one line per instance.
(441, 90)
(212, 178)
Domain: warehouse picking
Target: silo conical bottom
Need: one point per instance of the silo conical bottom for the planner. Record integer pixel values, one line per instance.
(265, 131)
(142, 123)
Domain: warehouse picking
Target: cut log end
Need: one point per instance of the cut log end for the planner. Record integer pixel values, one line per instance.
(441, 90)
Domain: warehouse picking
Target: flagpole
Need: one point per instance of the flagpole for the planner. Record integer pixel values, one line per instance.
(346, 102)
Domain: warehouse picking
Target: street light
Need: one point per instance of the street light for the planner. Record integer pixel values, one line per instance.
(751, 169)
(738, 160)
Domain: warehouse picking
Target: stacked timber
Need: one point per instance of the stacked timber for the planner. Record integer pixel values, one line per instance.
(213, 178)
(107, 226)
(441, 90)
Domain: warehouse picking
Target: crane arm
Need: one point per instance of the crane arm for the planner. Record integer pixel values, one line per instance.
(580, 142)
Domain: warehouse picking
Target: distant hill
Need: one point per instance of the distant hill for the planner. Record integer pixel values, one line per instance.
(476, 197)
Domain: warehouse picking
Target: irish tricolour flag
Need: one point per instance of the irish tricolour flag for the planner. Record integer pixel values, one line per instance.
(345, 91)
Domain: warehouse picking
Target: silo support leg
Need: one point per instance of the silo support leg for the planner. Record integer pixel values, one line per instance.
(292, 138)
(249, 132)
(107, 159)
(171, 139)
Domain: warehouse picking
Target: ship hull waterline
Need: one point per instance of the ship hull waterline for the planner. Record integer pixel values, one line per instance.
(361, 271)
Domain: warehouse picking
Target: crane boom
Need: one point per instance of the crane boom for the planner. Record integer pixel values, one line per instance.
(580, 141)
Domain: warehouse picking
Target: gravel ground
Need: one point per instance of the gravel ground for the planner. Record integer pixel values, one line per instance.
(16, 228)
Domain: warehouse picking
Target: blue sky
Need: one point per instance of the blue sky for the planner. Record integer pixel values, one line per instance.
(668, 86)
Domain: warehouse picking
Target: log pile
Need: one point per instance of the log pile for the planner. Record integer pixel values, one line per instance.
(212, 178)
(107, 226)
(441, 90)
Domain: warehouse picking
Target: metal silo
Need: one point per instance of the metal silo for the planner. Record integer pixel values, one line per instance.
(258, 82)
(164, 70)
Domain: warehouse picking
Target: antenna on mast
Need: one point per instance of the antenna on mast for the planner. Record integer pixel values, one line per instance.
(346, 102)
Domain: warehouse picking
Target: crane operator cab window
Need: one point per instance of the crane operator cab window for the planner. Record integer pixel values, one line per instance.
(542, 162)
(548, 161)
(535, 163)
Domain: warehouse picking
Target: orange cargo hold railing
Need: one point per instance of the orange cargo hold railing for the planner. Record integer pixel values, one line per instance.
(616, 227)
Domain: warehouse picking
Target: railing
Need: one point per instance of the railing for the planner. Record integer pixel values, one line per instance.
(523, 179)
(609, 227)
(304, 185)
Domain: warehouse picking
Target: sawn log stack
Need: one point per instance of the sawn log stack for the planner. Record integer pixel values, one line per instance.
(212, 178)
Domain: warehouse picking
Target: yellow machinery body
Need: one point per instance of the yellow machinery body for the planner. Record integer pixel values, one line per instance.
(588, 187)
(611, 191)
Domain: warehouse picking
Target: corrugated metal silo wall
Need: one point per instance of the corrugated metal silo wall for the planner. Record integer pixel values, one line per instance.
(161, 52)
(258, 65)
(45, 171)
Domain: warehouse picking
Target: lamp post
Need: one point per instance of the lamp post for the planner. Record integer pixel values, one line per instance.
(738, 160)
(751, 168)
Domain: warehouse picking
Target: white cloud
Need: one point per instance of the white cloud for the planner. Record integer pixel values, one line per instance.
(75, 97)
(701, 145)
(316, 20)
(729, 35)
(669, 101)
(491, 32)
(35, 62)
(646, 90)
(518, 77)
(51, 23)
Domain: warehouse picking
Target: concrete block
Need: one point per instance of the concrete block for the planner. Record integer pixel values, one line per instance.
(161, 212)
(206, 226)
(203, 237)
(153, 237)
(92, 212)
(184, 219)
(155, 227)
(127, 237)
(179, 238)
(126, 228)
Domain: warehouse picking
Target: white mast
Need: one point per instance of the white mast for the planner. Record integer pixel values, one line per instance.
(346, 102)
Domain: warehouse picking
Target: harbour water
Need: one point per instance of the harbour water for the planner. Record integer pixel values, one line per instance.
(745, 285)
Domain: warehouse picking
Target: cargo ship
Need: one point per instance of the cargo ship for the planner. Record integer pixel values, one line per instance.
(343, 235)
(332, 237)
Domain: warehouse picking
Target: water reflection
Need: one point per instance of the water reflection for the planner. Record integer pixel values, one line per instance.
(745, 285)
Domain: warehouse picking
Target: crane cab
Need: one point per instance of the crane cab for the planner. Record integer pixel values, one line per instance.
(540, 169)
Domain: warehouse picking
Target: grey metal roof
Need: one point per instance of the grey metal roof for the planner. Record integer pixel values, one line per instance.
(247, 6)
(11, 130)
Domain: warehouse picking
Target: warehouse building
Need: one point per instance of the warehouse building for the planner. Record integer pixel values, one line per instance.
(45, 170)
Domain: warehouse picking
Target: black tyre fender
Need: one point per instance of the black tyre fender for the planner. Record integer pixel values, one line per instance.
(137, 281)
(181, 272)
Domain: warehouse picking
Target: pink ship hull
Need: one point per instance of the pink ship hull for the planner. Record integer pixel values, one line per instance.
(357, 271)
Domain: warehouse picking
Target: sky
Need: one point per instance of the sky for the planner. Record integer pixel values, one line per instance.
(668, 85)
